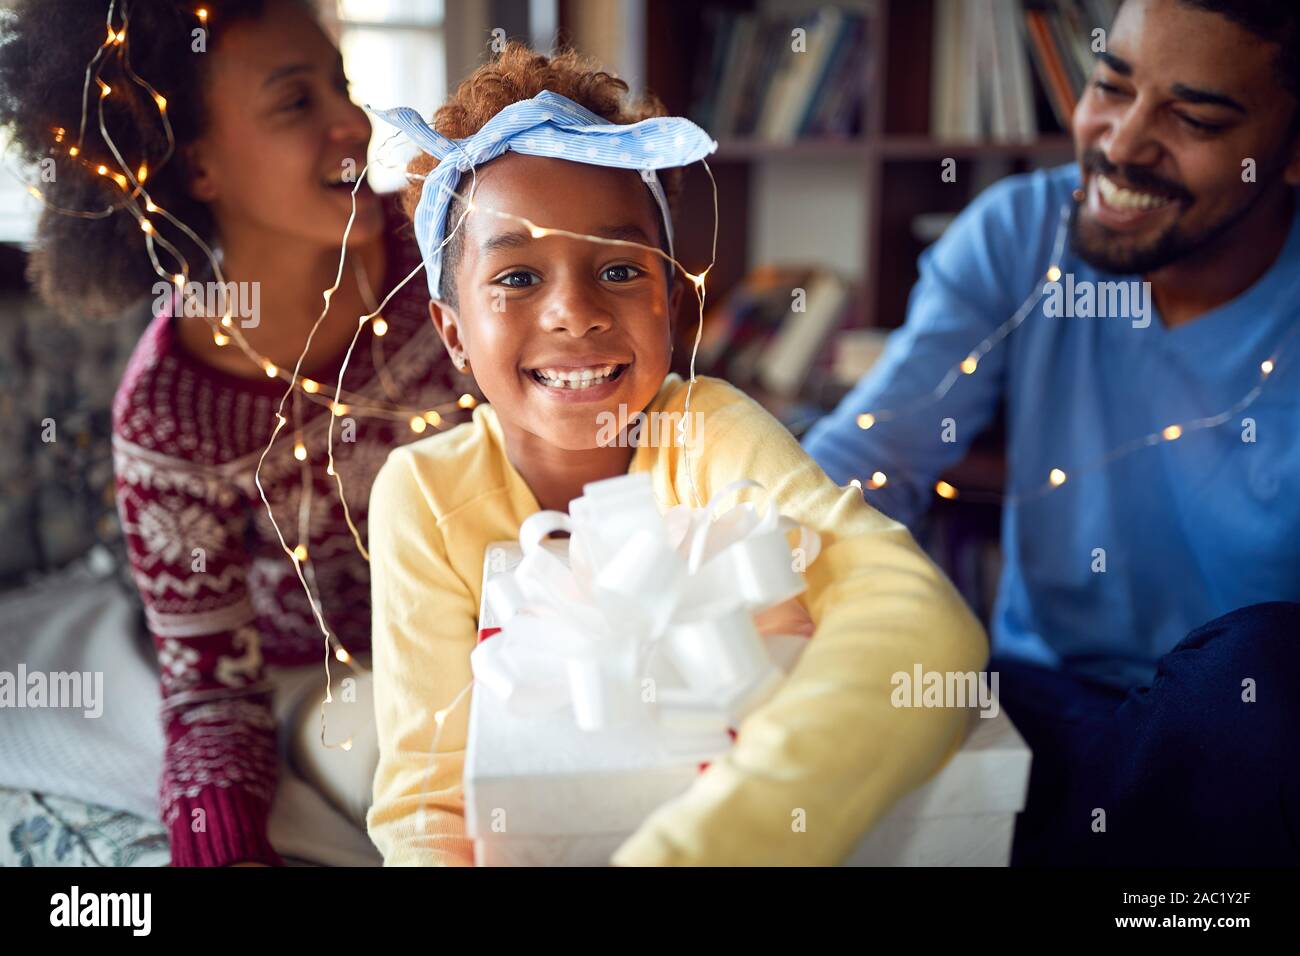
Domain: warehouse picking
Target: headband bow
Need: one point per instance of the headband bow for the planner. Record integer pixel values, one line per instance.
(546, 125)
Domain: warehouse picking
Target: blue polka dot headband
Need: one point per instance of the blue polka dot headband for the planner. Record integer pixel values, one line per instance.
(546, 125)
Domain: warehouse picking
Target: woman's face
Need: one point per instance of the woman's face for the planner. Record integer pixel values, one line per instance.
(284, 143)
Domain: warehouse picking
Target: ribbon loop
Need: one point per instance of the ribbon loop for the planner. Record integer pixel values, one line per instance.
(651, 609)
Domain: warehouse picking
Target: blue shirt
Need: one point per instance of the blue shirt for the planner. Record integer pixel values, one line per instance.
(1186, 530)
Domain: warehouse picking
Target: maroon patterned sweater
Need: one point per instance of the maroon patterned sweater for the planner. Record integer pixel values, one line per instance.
(186, 440)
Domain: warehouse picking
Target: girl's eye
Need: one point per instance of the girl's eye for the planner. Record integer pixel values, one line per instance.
(298, 103)
(625, 269)
(1106, 88)
(514, 285)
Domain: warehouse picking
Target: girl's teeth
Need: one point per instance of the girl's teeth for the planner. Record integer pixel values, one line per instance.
(581, 378)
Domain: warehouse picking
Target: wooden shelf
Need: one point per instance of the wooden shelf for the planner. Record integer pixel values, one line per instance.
(746, 149)
(924, 147)
(902, 147)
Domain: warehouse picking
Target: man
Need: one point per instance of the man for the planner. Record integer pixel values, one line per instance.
(1145, 632)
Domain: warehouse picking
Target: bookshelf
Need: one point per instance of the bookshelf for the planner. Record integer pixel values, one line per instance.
(895, 157)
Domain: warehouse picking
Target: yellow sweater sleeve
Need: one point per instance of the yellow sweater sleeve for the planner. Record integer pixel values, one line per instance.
(423, 629)
(819, 763)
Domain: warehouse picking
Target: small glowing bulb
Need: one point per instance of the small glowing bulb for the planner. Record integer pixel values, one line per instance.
(1053, 274)
(417, 424)
(121, 37)
(536, 232)
(271, 370)
(347, 744)
(1172, 432)
(433, 418)
(142, 173)
(120, 180)
(1266, 366)
(160, 100)
(104, 89)
(856, 484)
(380, 326)
(1057, 477)
(866, 420)
(945, 490)
(221, 338)
(34, 191)
(112, 37)
(342, 655)
(466, 401)
(300, 553)
(439, 716)
(309, 386)
(146, 226)
(339, 409)
(878, 480)
(969, 364)
(201, 13)
(300, 451)
(179, 279)
(227, 321)
(329, 469)
(149, 206)
(102, 170)
(73, 151)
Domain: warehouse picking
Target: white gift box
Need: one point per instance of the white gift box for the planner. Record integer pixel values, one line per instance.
(541, 791)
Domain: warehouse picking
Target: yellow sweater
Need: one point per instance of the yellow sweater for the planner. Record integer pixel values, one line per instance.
(828, 743)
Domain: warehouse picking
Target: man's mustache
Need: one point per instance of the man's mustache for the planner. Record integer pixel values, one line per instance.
(1095, 161)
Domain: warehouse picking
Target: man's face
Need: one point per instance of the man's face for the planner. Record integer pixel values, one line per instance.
(557, 330)
(1176, 105)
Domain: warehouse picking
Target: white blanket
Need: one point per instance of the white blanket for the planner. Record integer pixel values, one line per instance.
(80, 620)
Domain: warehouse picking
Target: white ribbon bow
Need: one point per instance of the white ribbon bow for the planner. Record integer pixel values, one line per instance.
(651, 609)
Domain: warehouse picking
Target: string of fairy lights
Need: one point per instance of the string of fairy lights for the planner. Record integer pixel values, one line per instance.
(1056, 476)
(136, 200)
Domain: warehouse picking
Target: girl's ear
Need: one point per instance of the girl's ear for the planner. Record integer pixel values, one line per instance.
(674, 306)
(447, 322)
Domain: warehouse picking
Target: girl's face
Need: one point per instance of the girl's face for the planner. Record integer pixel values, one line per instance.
(557, 330)
(284, 143)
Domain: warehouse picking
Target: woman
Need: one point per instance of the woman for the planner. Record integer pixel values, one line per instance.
(265, 137)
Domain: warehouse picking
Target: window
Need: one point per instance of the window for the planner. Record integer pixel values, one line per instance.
(19, 209)
(394, 52)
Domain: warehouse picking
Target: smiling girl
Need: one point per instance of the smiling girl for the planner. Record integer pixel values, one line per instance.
(560, 333)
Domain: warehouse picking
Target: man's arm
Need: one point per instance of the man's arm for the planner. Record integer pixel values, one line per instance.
(971, 281)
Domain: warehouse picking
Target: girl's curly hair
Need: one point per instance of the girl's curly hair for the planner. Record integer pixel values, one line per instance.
(519, 73)
(98, 266)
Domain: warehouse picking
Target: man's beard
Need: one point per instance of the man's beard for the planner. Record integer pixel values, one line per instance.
(1113, 255)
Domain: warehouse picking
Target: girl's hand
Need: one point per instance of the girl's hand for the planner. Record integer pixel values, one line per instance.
(788, 617)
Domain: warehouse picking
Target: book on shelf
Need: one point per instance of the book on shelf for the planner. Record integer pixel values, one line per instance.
(761, 80)
(985, 54)
(755, 338)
